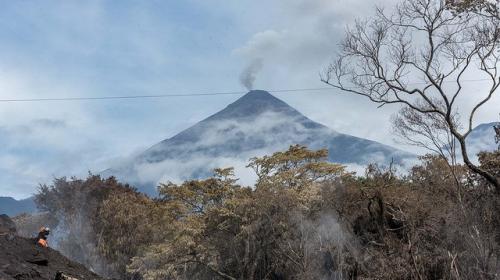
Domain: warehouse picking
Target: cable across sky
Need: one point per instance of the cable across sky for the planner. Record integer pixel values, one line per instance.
(182, 95)
(158, 95)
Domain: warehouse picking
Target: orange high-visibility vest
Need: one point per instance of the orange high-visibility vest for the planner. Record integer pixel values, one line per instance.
(43, 242)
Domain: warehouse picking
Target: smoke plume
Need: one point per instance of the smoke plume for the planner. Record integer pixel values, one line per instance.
(249, 74)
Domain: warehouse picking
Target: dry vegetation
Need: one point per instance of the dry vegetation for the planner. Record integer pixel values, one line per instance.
(304, 219)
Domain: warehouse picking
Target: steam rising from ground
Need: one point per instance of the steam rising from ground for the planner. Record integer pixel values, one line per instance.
(249, 74)
(70, 234)
(325, 245)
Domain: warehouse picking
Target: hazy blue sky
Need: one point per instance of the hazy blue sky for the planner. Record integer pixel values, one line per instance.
(103, 48)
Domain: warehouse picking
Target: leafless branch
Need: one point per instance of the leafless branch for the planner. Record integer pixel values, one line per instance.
(435, 41)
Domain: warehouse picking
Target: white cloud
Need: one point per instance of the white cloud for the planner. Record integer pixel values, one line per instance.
(232, 143)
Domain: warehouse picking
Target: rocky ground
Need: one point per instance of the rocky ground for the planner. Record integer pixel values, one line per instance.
(22, 259)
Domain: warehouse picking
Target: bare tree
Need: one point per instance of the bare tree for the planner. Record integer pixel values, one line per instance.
(418, 57)
(428, 131)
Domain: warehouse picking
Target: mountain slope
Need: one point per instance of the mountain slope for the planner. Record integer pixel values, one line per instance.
(482, 138)
(12, 207)
(256, 124)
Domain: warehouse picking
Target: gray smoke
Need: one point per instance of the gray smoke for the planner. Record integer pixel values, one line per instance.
(249, 74)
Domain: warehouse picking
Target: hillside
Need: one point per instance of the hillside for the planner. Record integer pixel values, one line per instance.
(12, 207)
(21, 258)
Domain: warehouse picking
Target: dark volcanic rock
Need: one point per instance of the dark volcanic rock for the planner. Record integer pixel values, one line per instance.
(21, 258)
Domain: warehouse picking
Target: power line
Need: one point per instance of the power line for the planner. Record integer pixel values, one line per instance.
(186, 95)
(156, 96)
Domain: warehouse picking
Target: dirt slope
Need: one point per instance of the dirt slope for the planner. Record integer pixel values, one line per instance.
(22, 259)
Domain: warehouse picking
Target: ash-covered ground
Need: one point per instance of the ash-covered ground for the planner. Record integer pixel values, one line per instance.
(22, 259)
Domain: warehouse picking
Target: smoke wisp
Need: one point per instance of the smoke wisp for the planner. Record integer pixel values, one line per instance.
(249, 74)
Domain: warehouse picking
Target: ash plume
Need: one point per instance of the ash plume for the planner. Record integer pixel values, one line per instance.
(249, 74)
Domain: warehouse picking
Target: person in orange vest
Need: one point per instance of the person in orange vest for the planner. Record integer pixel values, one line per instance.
(42, 237)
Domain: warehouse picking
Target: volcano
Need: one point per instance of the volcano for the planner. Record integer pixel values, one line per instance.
(254, 125)
(482, 138)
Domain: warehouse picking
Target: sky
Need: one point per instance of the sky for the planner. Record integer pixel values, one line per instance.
(109, 48)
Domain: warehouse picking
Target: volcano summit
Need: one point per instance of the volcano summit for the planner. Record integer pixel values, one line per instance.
(254, 125)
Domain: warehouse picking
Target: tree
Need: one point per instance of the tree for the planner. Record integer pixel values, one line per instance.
(199, 241)
(82, 227)
(125, 223)
(298, 167)
(419, 56)
(221, 230)
(304, 219)
(428, 131)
